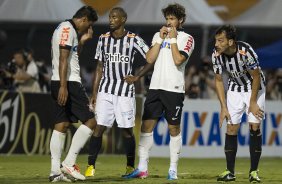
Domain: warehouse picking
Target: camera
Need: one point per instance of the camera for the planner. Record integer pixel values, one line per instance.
(11, 68)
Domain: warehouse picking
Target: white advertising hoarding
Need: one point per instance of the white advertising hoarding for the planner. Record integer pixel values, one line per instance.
(202, 137)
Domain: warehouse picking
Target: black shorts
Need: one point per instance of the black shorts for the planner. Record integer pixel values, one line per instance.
(76, 107)
(159, 102)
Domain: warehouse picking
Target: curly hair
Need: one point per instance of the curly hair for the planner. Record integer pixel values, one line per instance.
(175, 9)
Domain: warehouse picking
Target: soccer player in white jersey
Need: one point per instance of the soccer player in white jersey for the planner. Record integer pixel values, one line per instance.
(113, 97)
(71, 102)
(246, 93)
(171, 49)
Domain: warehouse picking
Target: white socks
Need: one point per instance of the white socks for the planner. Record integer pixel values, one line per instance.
(57, 143)
(78, 141)
(145, 145)
(175, 145)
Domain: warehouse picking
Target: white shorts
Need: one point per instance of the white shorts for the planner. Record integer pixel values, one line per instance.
(111, 107)
(238, 103)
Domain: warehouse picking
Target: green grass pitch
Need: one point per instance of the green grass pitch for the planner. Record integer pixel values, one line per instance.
(22, 169)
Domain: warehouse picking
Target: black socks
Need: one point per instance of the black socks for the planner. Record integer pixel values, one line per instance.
(130, 146)
(230, 151)
(255, 148)
(94, 149)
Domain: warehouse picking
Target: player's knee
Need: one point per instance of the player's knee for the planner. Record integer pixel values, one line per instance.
(255, 130)
(232, 129)
(99, 130)
(148, 126)
(127, 132)
(62, 127)
(91, 123)
(174, 131)
(254, 126)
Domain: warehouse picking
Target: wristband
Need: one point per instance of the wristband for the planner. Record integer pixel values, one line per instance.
(173, 40)
(159, 40)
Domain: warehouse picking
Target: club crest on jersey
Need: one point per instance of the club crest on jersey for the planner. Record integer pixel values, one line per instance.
(116, 58)
(141, 43)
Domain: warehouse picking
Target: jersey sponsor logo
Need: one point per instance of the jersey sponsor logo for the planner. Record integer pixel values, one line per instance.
(165, 45)
(189, 44)
(74, 48)
(116, 58)
(64, 35)
(236, 74)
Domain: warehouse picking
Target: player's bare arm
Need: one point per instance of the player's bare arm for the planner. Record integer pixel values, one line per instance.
(85, 37)
(145, 69)
(254, 108)
(63, 69)
(153, 53)
(224, 114)
(96, 82)
(178, 58)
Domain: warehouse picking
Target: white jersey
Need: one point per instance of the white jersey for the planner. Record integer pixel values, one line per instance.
(167, 76)
(65, 36)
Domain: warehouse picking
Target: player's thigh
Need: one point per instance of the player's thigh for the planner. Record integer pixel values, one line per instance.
(61, 113)
(236, 106)
(153, 107)
(79, 102)
(260, 102)
(104, 109)
(173, 103)
(124, 109)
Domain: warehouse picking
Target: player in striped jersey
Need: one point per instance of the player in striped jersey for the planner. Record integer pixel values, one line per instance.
(113, 97)
(246, 93)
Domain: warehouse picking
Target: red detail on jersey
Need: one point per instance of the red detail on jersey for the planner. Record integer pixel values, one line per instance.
(65, 35)
(189, 44)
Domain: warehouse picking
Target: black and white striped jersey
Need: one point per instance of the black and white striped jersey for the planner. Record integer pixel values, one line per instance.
(237, 66)
(117, 56)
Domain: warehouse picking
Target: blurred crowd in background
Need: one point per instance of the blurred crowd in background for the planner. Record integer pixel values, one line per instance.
(26, 74)
(28, 68)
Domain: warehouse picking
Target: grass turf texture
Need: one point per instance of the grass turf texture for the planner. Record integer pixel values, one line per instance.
(35, 169)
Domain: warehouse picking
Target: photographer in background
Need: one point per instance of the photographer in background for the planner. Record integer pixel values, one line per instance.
(26, 75)
(6, 82)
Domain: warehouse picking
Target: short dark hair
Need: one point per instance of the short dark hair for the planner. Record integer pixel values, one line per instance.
(121, 11)
(86, 11)
(175, 9)
(229, 30)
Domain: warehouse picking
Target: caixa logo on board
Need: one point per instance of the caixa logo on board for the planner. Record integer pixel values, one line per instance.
(116, 58)
(200, 129)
